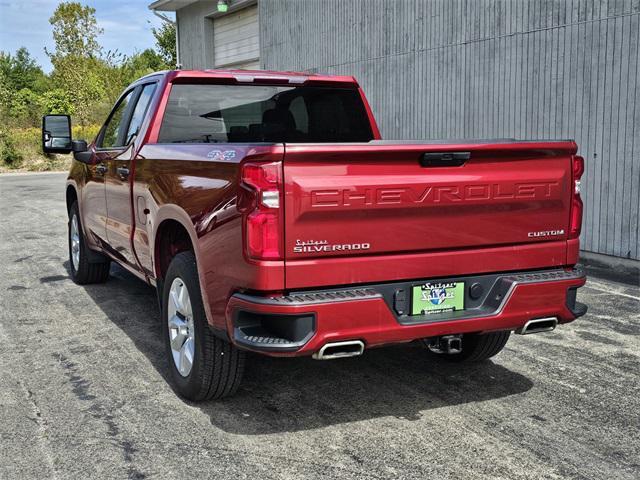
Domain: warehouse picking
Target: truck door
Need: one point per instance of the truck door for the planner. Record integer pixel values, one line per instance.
(94, 203)
(119, 136)
(95, 200)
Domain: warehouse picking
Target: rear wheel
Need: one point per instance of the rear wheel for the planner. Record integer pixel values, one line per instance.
(476, 347)
(86, 266)
(202, 366)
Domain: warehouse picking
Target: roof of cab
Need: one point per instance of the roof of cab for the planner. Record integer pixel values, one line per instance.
(260, 77)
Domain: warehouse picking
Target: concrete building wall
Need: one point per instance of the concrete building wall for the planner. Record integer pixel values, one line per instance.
(195, 35)
(201, 27)
(489, 68)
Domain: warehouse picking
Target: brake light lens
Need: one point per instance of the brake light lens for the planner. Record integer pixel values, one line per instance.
(575, 225)
(259, 201)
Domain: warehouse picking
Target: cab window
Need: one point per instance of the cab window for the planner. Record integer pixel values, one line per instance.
(111, 136)
(139, 112)
(207, 113)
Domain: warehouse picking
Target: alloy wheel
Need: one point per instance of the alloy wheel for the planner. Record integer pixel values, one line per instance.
(74, 235)
(181, 327)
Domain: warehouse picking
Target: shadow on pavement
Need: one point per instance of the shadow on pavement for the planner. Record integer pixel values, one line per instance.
(280, 394)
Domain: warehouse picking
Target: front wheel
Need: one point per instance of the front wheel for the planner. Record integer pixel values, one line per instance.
(203, 366)
(476, 347)
(83, 269)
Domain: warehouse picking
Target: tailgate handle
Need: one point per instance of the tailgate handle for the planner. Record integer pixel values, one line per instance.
(444, 159)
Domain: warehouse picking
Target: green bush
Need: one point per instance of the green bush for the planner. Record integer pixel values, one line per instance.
(9, 153)
(57, 101)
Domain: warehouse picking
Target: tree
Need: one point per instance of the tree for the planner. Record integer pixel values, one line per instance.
(75, 31)
(57, 101)
(166, 43)
(21, 71)
(143, 63)
(22, 82)
(5, 92)
(82, 81)
(25, 106)
(77, 57)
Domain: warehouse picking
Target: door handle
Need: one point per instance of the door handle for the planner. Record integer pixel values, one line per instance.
(101, 168)
(444, 159)
(123, 172)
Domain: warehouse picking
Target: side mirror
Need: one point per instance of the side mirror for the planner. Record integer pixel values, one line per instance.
(81, 151)
(56, 134)
(79, 146)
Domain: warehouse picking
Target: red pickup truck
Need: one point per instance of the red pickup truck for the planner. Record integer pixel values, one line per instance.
(271, 217)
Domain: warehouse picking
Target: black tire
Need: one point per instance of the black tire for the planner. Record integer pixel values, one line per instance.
(477, 347)
(218, 366)
(91, 267)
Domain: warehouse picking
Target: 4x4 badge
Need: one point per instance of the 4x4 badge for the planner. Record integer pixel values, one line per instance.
(221, 155)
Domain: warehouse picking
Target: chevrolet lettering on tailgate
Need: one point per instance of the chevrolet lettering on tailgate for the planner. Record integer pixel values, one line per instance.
(433, 194)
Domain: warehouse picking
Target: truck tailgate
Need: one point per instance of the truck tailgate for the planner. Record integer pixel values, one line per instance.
(376, 200)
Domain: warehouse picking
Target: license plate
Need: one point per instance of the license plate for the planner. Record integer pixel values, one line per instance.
(438, 297)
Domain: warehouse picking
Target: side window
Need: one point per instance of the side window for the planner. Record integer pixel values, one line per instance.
(113, 127)
(298, 109)
(139, 112)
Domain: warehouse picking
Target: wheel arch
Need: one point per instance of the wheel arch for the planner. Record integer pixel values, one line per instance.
(173, 233)
(168, 219)
(171, 238)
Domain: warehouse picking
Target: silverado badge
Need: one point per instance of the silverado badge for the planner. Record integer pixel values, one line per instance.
(313, 246)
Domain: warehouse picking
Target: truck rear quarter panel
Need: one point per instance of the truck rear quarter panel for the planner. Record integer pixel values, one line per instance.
(196, 185)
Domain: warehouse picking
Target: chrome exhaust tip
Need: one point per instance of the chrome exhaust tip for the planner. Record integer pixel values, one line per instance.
(331, 351)
(538, 325)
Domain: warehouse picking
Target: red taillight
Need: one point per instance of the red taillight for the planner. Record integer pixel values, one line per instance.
(259, 200)
(575, 224)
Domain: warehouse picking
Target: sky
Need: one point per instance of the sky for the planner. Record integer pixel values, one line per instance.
(25, 23)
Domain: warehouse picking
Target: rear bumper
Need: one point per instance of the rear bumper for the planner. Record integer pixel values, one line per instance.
(302, 322)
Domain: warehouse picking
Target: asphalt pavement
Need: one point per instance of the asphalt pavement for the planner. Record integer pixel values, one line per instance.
(84, 393)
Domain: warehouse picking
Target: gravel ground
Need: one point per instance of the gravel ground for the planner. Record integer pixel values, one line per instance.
(84, 391)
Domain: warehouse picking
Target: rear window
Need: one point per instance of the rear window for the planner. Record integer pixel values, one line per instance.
(251, 113)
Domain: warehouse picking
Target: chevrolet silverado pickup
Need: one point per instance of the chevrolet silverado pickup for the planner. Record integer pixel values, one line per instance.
(271, 217)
